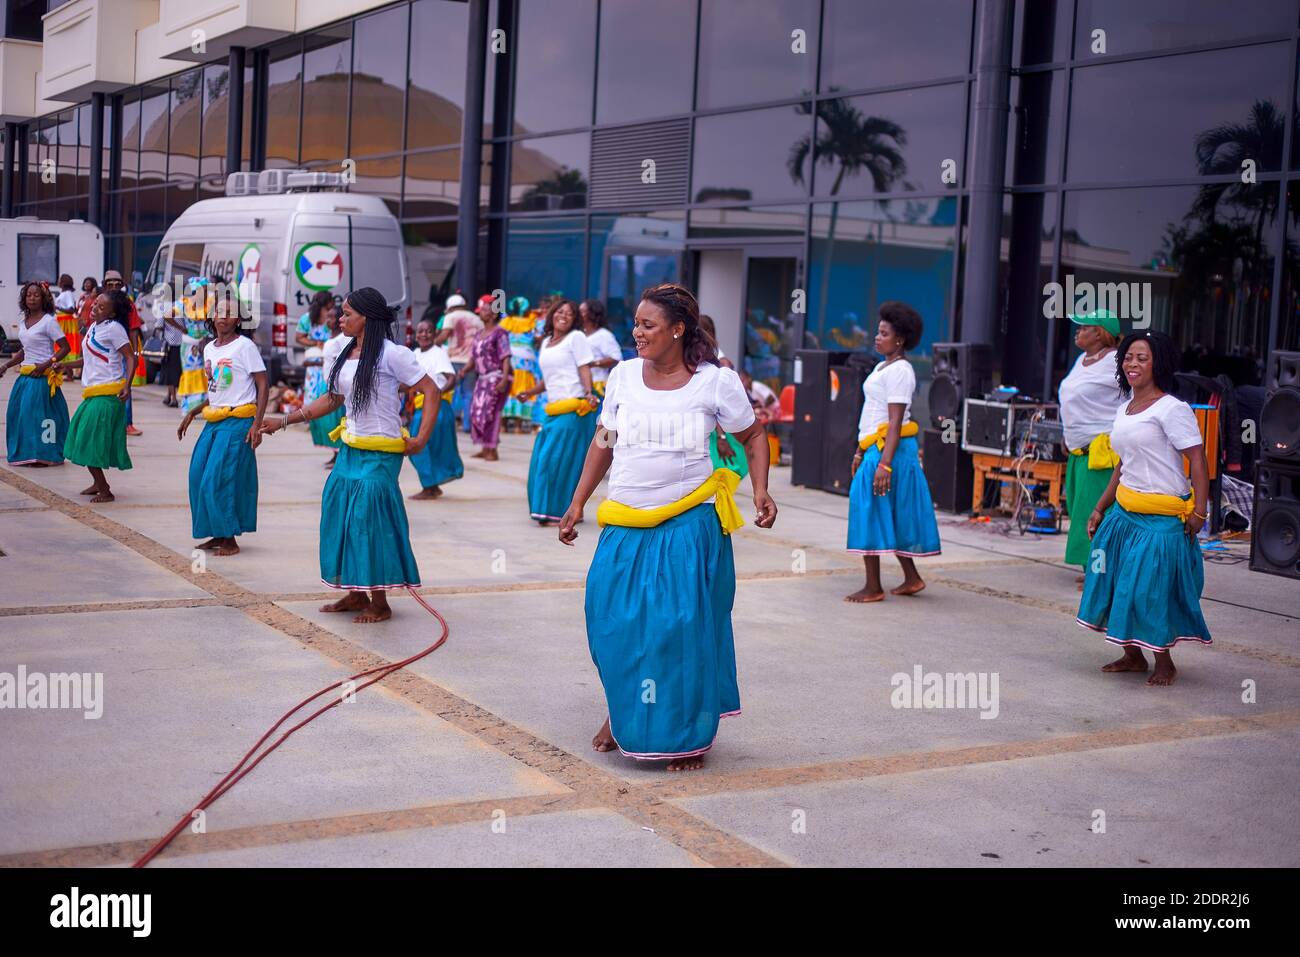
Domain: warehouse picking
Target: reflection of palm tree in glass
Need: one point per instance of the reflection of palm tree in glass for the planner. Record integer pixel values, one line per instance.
(854, 143)
(568, 184)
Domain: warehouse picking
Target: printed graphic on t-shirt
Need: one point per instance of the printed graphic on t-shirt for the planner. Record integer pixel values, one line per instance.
(221, 377)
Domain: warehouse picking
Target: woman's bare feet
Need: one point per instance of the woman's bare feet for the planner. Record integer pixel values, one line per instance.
(378, 610)
(352, 601)
(432, 491)
(210, 544)
(480, 454)
(104, 496)
(863, 595)
(93, 490)
(226, 546)
(1133, 660)
(1165, 672)
(909, 588)
(489, 455)
(693, 763)
(604, 739)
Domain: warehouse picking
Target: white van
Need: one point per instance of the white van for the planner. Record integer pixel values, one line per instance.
(279, 237)
(44, 249)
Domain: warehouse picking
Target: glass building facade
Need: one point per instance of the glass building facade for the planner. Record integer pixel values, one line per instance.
(797, 162)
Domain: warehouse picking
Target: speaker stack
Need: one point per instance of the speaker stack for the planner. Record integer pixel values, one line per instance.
(1275, 532)
(827, 406)
(960, 370)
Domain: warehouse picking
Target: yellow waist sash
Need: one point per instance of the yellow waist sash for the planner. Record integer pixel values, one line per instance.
(108, 388)
(721, 484)
(877, 438)
(418, 401)
(219, 412)
(1100, 454)
(53, 375)
(565, 406)
(370, 443)
(1153, 503)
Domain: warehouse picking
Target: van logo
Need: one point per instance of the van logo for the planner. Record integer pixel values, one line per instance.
(319, 266)
(249, 272)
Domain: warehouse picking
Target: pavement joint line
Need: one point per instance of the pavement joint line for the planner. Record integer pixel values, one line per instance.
(708, 843)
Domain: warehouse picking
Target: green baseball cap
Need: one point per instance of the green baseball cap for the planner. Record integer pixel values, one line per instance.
(1099, 317)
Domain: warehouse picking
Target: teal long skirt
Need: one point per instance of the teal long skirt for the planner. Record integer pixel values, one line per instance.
(322, 427)
(223, 481)
(36, 424)
(1143, 582)
(439, 462)
(1083, 490)
(97, 434)
(556, 464)
(901, 522)
(365, 539)
(659, 629)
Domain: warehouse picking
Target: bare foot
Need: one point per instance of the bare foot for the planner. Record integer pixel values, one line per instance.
(1133, 660)
(426, 493)
(1165, 672)
(489, 455)
(93, 490)
(862, 596)
(209, 544)
(909, 588)
(228, 546)
(480, 454)
(378, 611)
(1078, 579)
(693, 763)
(39, 465)
(604, 739)
(104, 496)
(352, 601)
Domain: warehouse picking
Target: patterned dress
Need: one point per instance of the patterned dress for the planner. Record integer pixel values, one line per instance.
(490, 351)
(523, 362)
(193, 387)
(314, 383)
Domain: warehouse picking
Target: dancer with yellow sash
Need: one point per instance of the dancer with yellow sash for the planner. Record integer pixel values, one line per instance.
(890, 510)
(663, 580)
(1090, 397)
(565, 362)
(365, 538)
(97, 433)
(36, 422)
(65, 312)
(1145, 574)
(440, 461)
(223, 466)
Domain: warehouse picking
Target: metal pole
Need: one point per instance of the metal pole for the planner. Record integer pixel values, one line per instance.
(10, 157)
(96, 200)
(471, 147)
(235, 112)
(992, 89)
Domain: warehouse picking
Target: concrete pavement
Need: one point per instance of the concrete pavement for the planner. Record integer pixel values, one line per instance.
(480, 753)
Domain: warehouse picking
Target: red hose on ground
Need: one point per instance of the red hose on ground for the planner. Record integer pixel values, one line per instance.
(235, 775)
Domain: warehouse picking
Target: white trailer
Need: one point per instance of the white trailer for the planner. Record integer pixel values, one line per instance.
(43, 249)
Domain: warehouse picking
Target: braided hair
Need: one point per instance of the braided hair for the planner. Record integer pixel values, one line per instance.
(680, 306)
(370, 303)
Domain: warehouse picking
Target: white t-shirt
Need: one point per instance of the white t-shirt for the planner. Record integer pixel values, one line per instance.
(66, 301)
(1090, 397)
(230, 371)
(1148, 445)
(888, 383)
(39, 341)
(397, 366)
(560, 366)
(329, 351)
(603, 346)
(436, 365)
(99, 347)
(662, 451)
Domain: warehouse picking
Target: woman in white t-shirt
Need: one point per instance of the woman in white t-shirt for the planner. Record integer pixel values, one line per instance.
(97, 433)
(440, 461)
(365, 538)
(890, 511)
(1144, 578)
(223, 466)
(662, 581)
(1090, 397)
(565, 362)
(605, 350)
(36, 423)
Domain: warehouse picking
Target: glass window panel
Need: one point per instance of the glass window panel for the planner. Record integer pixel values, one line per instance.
(495, 63)
(1197, 114)
(124, 216)
(748, 52)
(890, 142)
(106, 147)
(326, 69)
(734, 222)
(553, 84)
(151, 213)
(153, 136)
(436, 96)
(212, 188)
(1029, 223)
(647, 63)
(180, 197)
(430, 262)
(642, 249)
(432, 186)
(1160, 24)
(1034, 128)
(186, 117)
(766, 139)
(216, 119)
(246, 137)
(382, 178)
(550, 172)
(83, 137)
(284, 105)
(1288, 337)
(1042, 31)
(1202, 257)
(66, 182)
(379, 82)
(35, 154)
(545, 257)
(882, 43)
(130, 141)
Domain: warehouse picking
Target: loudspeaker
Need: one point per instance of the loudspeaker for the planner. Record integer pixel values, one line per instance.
(812, 368)
(948, 471)
(961, 370)
(844, 409)
(1279, 418)
(1275, 529)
